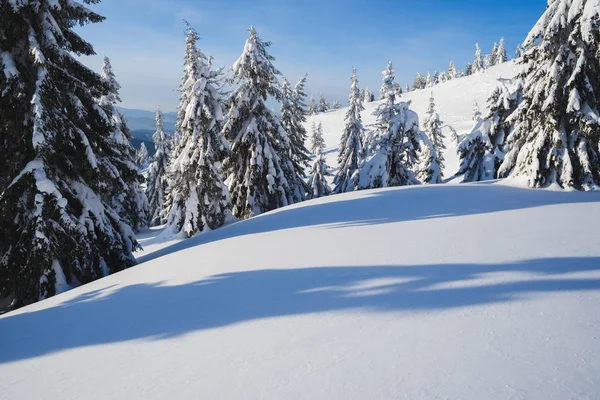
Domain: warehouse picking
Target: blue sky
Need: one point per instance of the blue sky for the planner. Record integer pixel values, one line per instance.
(145, 41)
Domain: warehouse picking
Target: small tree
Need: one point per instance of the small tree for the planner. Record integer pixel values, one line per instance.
(337, 105)
(478, 59)
(451, 71)
(157, 182)
(142, 157)
(433, 158)
(312, 106)
(323, 104)
(476, 112)
(500, 56)
(317, 143)
(317, 180)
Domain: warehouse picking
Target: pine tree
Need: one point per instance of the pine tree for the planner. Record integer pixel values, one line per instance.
(317, 143)
(394, 149)
(57, 149)
(490, 59)
(350, 146)
(323, 104)
(451, 71)
(433, 159)
(518, 51)
(312, 106)
(127, 197)
(468, 69)
(454, 135)
(261, 172)
(482, 150)
(317, 180)
(476, 112)
(501, 53)
(478, 60)
(337, 105)
(418, 82)
(198, 199)
(142, 157)
(428, 81)
(293, 116)
(406, 88)
(157, 183)
(556, 134)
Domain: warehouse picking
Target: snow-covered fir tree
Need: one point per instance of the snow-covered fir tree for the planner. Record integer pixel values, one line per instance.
(500, 56)
(157, 182)
(406, 88)
(317, 178)
(261, 173)
(57, 151)
(350, 145)
(454, 135)
(395, 145)
(337, 105)
(451, 71)
(556, 130)
(317, 143)
(198, 199)
(518, 51)
(468, 69)
(312, 106)
(142, 157)
(419, 82)
(293, 116)
(323, 104)
(433, 158)
(127, 198)
(490, 59)
(428, 80)
(482, 150)
(477, 60)
(476, 111)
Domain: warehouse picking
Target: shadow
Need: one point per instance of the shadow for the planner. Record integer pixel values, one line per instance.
(154, 312)
(390, 205)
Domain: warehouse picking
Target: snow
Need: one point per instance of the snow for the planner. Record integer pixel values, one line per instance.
(471, 291)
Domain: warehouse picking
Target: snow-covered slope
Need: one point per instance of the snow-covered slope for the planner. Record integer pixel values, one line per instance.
(454, 102)
(476, 291)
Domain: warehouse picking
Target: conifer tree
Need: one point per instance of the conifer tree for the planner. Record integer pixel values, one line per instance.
(518, 51)
(418, 82)
(428, 81)
(57, 152)
(490, 59)
(157, 183)
(127, 198)
(317, 180)
(478, 60)
(323, 103)
(482, 150)
(395, 144)
(476, 112)
(142, 157)
(312, 106)
(317, 143)
(293, 116)
(261, 173)
(433, 159)
(350, 146)
(451, 71)
(198, 199)
(556, 133)
(468, 69)
(337, 105)
(501, 53)
(406, 88)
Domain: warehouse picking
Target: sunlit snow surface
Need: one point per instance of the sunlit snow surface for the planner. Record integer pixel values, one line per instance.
(472, 291)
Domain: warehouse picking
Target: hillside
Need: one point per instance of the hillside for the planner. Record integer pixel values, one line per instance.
(471, 291)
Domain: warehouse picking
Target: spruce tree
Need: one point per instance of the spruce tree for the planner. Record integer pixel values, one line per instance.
(323, 104)
(312, 106)
(57, 151)
(556, 134)
(157, 183)
(468, 69)
(293, 116)
(350, 145)
(476, 112)
(433, 159)
(317, 143)
(317, 180)
(477, 60)
(337, 105)
(501, 53)
(261, 173)
(395, 145)
(418, 82)
(518, 51)
(490, 59)
(142, 157)
(198, 198)
(406, 88)
(482, 150)
(127, 198)
(451, 71)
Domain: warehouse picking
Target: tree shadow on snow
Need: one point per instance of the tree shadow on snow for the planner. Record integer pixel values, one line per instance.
(388, 206)
(155, 312)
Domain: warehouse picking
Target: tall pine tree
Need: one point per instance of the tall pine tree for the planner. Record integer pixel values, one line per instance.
(198, 197)
(157, 182)
(261, 173)
(433, 159)
(57, 151)
(350, 145)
